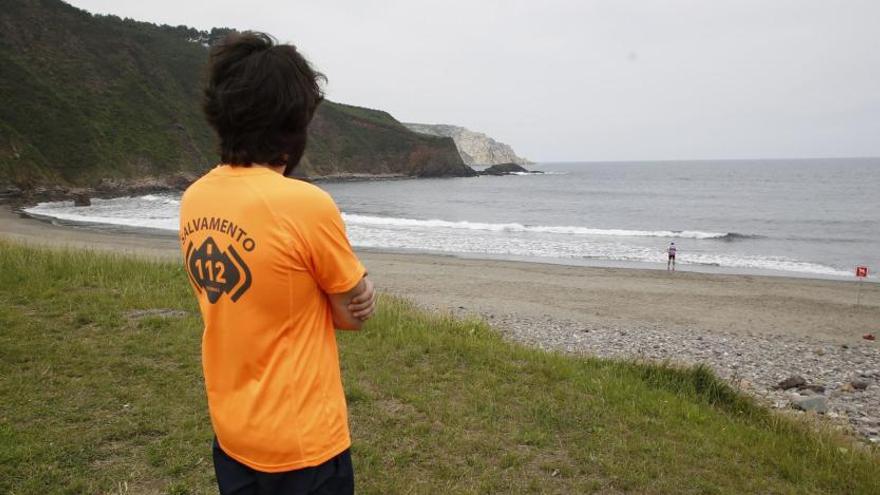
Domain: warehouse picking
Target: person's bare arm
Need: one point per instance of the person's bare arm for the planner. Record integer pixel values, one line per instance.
(352, 308)
(363, 304)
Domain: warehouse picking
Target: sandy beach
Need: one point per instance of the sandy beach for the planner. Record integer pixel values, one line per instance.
(753, 330)
(619, 296)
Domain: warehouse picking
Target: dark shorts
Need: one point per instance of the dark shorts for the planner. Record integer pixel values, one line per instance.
(672, 256)
(334, 477)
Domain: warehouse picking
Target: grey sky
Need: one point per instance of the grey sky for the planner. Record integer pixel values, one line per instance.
(590, 80)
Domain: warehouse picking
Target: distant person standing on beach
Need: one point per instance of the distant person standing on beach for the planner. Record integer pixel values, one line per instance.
(670, 263)
(274, 274)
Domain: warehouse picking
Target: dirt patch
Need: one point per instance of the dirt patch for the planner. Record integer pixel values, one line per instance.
(395, 408)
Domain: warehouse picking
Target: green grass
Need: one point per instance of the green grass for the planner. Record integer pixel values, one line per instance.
(99, 400)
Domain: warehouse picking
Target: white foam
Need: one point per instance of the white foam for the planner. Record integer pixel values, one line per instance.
(355, 219)
(150, 211)
(152, 223)
(153, 197)
(499, 244)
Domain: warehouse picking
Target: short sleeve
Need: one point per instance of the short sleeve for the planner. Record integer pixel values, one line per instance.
(331, 260)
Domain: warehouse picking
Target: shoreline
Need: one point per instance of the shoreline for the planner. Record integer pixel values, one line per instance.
(712, 269)
(666, 294)
(752, 330)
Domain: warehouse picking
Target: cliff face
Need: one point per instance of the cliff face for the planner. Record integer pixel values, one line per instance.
(475, 148)
(90, 99)
(372, 142)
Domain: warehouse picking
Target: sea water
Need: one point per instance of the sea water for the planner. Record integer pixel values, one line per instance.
(817, 218)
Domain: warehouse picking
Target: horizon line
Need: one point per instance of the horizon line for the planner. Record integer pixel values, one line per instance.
(683, 160)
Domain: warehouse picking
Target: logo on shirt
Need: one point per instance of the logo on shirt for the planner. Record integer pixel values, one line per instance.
(216, 271)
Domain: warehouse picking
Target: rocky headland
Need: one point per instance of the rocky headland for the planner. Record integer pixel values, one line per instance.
(476, 148)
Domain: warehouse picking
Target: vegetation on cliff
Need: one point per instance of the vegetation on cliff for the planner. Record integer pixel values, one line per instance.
(89, 97)
(345, 139)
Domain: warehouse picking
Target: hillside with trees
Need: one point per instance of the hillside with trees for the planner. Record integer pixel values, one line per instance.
(90, 98)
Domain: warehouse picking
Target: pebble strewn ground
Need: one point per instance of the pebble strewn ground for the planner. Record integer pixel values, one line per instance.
(842, 379)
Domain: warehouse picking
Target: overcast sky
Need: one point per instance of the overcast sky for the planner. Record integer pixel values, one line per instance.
(589, 80)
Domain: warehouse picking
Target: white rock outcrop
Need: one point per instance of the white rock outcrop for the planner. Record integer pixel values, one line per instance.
(475, 148)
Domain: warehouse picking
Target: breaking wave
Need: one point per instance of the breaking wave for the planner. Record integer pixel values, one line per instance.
(393, 222)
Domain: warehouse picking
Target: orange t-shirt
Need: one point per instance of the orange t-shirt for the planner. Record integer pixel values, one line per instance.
(262, 252)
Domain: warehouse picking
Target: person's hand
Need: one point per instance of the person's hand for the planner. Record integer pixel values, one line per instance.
(363, 304)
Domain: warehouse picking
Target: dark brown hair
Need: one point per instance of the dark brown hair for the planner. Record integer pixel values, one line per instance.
(260, 97)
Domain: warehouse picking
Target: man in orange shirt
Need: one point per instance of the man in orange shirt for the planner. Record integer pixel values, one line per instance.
(274, 274)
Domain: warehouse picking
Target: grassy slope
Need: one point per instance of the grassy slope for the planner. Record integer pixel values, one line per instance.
(90, 97)
(96, 400)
